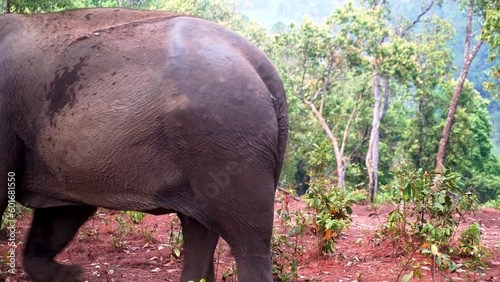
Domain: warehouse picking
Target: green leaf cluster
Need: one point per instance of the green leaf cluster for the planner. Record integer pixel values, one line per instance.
(429, 209)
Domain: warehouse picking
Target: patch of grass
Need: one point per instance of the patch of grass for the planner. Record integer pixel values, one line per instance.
(494, 204)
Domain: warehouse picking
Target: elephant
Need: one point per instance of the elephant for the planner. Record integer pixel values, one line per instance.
(147, 111)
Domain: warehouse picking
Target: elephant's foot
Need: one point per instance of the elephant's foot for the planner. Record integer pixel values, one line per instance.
(43, 270)
(72, 273)
(52, 229)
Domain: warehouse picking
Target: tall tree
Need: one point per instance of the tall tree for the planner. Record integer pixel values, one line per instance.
(392, 59)
(468, 57)
(319, 65)
(491, 34)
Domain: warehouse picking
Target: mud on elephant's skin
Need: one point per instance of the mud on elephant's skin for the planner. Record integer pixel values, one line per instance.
(139, 110)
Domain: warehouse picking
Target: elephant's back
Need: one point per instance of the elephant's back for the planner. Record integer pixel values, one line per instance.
(57, 31)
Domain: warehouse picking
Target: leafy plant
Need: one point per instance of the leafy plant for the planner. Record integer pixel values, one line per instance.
(19, 210)
(427, 212)
(284, 249)
(331, 204)
(148, 234)
(332, 208)
(123, 227)
(469, 245)
(495, 204)
(175, 238)
(118, 239)
(230, 273)
(136, 216)
(285, 264)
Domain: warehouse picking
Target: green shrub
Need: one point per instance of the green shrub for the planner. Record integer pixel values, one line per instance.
(470, 245)
(494, 203)
(286, 246)
(330, 204)
(136, 216)
(332, 211)
(428, 210)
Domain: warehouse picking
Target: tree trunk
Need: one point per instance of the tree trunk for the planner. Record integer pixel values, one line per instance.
(468, 57)
(341, 163)
(7, 7)
(372, 156)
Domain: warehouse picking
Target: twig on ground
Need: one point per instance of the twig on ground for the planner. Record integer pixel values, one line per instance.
(290, 194)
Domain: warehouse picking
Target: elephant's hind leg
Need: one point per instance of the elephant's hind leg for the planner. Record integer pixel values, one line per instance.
(52, 229)
(199, 247)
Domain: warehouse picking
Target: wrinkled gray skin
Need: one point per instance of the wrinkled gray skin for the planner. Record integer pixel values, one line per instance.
(145, 111)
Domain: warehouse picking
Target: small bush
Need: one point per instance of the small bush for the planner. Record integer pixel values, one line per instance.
(427, 211)
(331, 205)
(332, 210)
(470, 246)
(495, 204)
(286, 246)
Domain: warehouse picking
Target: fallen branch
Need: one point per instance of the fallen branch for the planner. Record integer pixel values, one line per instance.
(289, 194)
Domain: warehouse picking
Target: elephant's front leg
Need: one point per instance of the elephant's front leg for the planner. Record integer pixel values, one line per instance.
(52, 229)
(199, 247)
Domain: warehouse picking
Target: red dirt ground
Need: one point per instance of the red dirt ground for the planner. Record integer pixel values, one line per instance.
(359, 255)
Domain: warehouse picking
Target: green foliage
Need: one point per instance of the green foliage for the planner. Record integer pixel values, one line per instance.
(230, 273)
(469, 245)
(286, 246)
(123, 229)
(427, 211)
(175, 238)
(136, 216)
(19, 211)
(493, 203)
(491, 34)
(45, 6)
(427, 216)
(285, 264)
(40, 6)
(440, 260)
(331, 205)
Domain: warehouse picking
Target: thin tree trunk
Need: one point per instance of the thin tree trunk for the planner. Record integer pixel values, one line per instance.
(372, 156)
(7, 8)
(421, 124)
(373, 144)
(468, 57)
(341, 163)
